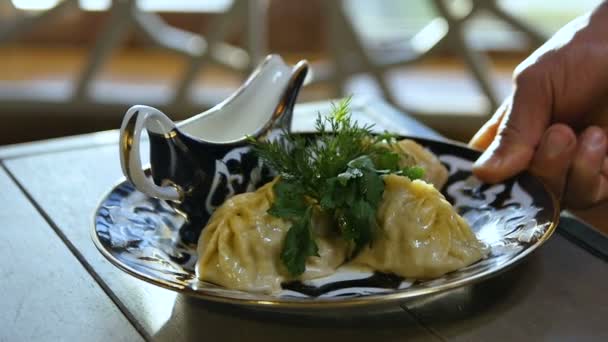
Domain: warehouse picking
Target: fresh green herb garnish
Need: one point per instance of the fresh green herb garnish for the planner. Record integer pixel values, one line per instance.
(413, 172)
(339, 173)
(299, 244)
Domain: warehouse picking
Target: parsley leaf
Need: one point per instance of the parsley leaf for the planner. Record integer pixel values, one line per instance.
(387, 161)
(289, 201)
(413, 172)
(299, 244)
(353, 196)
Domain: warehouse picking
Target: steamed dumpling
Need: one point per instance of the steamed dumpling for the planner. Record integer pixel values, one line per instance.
(415, 154)
(241, 245)
(420, 235)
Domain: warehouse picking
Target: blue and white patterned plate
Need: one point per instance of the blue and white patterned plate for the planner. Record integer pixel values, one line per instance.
(140, 235)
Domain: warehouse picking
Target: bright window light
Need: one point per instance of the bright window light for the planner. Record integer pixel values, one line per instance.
(207, 6)
(95, 5)
(34, 5)
(184, 5)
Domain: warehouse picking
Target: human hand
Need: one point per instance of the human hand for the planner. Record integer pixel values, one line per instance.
(554, 123)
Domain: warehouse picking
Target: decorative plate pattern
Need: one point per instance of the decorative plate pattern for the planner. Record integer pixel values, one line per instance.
(140, 235)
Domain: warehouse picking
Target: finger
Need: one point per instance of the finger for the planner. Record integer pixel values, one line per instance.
(554, 156)
(520, 131)
(587, 182)
(483, 138)
(605, 167)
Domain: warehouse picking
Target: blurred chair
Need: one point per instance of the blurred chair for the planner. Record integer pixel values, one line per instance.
(347, 54)
(350, 55)
(125, 16)
(29, 103)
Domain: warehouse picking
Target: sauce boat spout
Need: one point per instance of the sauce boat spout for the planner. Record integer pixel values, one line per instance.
(265, 100)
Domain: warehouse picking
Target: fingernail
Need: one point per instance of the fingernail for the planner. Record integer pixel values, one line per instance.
(488, 160)
(556, 143)
(594, 138)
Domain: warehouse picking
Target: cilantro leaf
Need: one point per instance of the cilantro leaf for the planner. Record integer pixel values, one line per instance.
(328, 200)
(364, 217)
(387, 161)
(354, 194)
(299, 245)
(289, 201)
(347, 175)
(413, 172)
(372, 187)
(362, 162)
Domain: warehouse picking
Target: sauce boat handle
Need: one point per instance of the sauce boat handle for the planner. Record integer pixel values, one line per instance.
(135, 121)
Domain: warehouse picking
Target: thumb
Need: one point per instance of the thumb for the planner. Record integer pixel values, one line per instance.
(519, 131)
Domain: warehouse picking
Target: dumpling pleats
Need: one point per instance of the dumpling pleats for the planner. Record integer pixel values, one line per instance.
(413, 153)
(241, 245)
(420, 235)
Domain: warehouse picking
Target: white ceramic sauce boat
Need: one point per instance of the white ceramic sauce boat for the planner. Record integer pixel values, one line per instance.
(198, 163)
